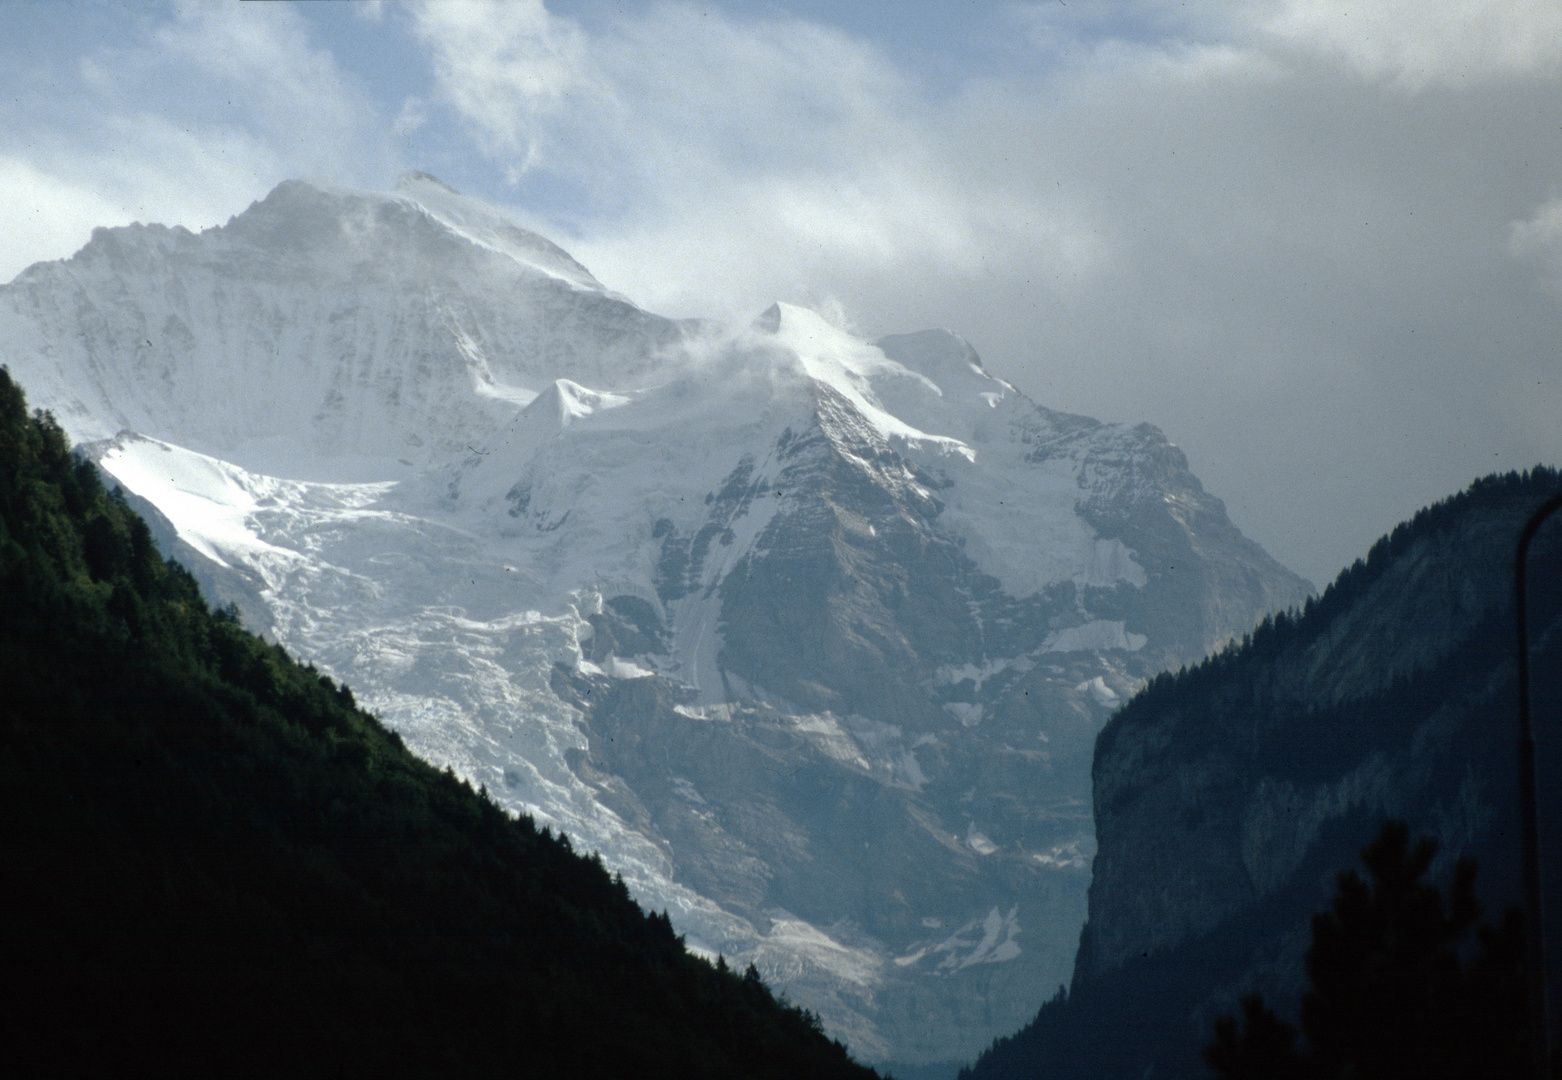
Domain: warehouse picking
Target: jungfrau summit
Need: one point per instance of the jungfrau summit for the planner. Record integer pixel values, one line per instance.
(809, 637)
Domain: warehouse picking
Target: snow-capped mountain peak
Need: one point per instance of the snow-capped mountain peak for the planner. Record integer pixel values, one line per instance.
(565, 401)
(856, 370)
(323, 333)
(810, 636)
(474, 220)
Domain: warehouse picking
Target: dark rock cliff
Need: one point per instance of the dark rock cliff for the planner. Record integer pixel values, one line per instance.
(1228, 797)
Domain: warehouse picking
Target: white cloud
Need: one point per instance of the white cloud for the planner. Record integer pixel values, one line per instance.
(413, 117)
(1538, 239)
(1416, 43)
(1300, 236)
(1412, 44)
(1080, 27)
(508, 69)
(42, 209)
(1281, 233)
(184, 120)
(140, 168)
(731, 162)
(265, 77)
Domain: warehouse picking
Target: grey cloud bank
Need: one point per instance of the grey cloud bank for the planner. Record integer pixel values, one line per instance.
(1318, 245)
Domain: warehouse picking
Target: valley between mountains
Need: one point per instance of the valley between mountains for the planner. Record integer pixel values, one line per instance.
(809, 637)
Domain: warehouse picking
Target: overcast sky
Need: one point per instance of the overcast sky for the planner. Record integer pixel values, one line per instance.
(1318, 242)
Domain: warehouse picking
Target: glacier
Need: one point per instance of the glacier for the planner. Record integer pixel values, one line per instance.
(808, 636)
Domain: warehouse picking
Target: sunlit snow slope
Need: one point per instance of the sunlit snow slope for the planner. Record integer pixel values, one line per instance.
(808, 636)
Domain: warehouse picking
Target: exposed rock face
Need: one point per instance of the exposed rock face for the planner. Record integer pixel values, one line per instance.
(809, 637)
(1226, 799)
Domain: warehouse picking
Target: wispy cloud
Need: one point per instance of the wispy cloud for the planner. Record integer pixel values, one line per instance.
(763, 155)
(1316, 241)
(183, 119)
(1538, 240)
(1277, 230)
(508, 69)
(1427, 42)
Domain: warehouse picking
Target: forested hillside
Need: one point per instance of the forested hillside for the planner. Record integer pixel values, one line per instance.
(1229, 796)
(216, 863)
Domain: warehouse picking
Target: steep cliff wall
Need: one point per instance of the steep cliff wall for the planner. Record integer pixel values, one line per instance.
(1227, 797)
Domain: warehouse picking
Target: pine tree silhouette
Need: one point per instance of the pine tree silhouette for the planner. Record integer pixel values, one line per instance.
(1396, 989)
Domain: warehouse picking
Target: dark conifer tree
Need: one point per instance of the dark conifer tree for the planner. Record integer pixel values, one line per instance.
(1397, 988)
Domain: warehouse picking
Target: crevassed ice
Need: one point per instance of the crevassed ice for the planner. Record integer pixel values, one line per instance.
(413, 615)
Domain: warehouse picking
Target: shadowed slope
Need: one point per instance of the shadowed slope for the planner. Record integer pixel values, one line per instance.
(215, 862)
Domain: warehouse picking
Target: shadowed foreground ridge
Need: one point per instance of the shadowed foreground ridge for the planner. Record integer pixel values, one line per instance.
(215, 862)
(1229, 796)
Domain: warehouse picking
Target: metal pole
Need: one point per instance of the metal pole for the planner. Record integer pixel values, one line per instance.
(1540, 1042)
